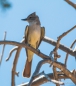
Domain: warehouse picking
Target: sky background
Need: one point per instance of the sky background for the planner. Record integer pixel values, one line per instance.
(56, 16)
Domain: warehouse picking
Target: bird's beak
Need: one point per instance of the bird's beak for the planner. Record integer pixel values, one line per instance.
(24, 19)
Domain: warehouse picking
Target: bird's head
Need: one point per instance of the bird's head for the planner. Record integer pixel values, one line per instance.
(32, 18)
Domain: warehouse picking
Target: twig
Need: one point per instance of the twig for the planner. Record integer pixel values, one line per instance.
(71, 3)
(12, 50)
(14, 65)
(3, 48)
(54, 70)
(67, 53)
(10, 53)
(51, 57)
(61, 36)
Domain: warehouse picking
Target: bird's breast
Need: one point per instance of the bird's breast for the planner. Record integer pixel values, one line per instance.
(34, 34)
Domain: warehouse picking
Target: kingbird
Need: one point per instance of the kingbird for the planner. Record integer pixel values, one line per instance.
(34, 34)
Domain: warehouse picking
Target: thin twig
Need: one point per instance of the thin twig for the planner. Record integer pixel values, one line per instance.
(10, 53)
(12, 50)
(71, 3)
(3, 48)
(61, 36)
(67, 53)
(54, 70)
(14, 65)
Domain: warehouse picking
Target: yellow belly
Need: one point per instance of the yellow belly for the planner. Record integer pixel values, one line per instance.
(34, 37)
(33, 40)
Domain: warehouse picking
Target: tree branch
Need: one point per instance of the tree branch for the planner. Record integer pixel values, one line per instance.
(14, 65)
(39, 54)
(71, 3)
(67, 53)
(10, 53)
(46, 39)
(3, 48)
(55, 51)
(42, 79)
(12, 50)
(62, 47)
(38, 69)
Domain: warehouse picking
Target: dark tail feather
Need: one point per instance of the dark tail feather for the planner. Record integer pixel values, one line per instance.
(27, 69)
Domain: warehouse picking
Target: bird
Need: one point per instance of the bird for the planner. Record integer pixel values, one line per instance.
(34, 34)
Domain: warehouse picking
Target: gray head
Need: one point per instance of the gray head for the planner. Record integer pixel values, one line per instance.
(32, 18)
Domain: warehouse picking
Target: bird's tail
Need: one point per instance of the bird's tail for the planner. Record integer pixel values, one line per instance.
(27, 69)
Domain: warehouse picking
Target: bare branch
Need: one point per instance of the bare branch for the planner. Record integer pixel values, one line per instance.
(24, 46)
(12, 50)
(55, 51)
(46, 39)
(58, 65)
(67, 53)
(10, 53)
(37, 71)
(38, 53)
(71, 3)
(28, 47)
(14, 65)
(42, 79)
(62, 47)
(54, 68)
(3, 48)
(61, 36)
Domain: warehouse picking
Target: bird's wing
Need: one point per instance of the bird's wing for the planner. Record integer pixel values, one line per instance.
(26, 33)
(27, 68)
(26, 36)
(42, 35)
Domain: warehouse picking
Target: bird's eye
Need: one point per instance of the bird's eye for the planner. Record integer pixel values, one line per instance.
(30, 17)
